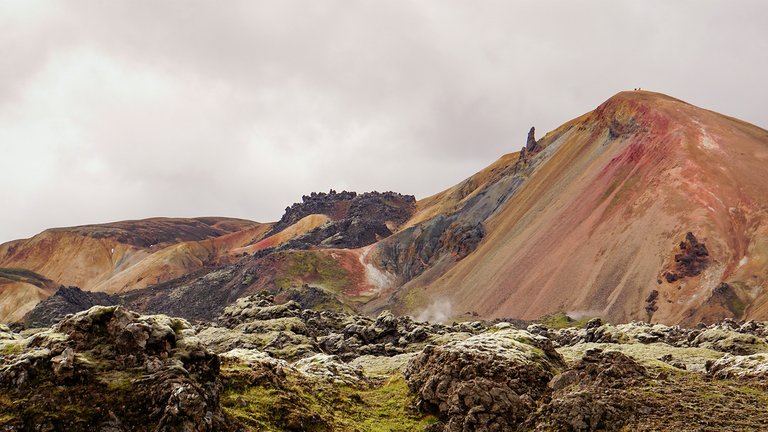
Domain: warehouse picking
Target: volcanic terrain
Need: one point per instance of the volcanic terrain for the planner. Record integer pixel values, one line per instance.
(647, 208)
(608, 276)
(597, 223)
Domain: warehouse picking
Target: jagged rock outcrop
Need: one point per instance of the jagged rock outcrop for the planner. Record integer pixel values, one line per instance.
(488, 382)
(531, 146)
(332, 203)
(65, 301)
(730, 337)
(356, 220)
(650, 303)
(111, 369)
(691, 261)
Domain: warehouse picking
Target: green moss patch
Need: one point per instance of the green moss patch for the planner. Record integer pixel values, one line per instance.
(561, 320)
(11, 348)
(298, 403)
(315, 268)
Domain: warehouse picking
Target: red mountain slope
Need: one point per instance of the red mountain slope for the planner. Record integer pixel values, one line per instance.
(596, 227)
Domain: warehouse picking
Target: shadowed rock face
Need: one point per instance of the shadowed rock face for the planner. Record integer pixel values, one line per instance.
(347, 233)
(66, 300)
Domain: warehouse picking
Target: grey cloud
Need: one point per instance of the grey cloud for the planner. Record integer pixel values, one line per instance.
(116, 110)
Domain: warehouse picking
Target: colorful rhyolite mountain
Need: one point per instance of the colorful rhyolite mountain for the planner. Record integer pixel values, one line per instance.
(646, 208)
(596, 226)
(113, 257)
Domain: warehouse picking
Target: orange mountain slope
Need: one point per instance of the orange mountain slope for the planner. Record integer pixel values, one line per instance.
(20, 291)
(596, 227)
(118, 256)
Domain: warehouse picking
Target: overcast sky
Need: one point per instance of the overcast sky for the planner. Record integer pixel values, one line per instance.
(114, 110)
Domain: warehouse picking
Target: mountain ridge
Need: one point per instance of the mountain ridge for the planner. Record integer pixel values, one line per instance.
(587, 220)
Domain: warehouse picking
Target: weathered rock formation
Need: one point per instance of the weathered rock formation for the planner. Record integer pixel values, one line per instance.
(590, 395)
(111, 369)
(268, 366)
(531, 146)
(290, 332)
(691, 261)
(370, 207)
(487, 382)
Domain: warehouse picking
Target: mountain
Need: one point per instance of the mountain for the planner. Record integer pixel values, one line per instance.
(114, 257)
(598, 223)
(646, 208)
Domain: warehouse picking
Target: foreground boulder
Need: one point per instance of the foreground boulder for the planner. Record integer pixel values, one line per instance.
(489, 382)
(591, 395)
(113, 370)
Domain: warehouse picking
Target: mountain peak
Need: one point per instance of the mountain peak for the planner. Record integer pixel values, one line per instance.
(639, 107)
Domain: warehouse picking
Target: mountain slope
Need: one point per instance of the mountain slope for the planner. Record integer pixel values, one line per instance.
(118, 256)
(596, 227)
(20, 291)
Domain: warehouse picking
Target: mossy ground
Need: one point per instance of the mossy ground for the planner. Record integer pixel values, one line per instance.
(297, 403)
(686, 401)
(561, 320)
(62, 406)
(313, 267)
(11, 348)
(80, 403)
(648, 354)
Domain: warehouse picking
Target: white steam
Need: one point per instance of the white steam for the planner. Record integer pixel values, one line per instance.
(439, 311)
